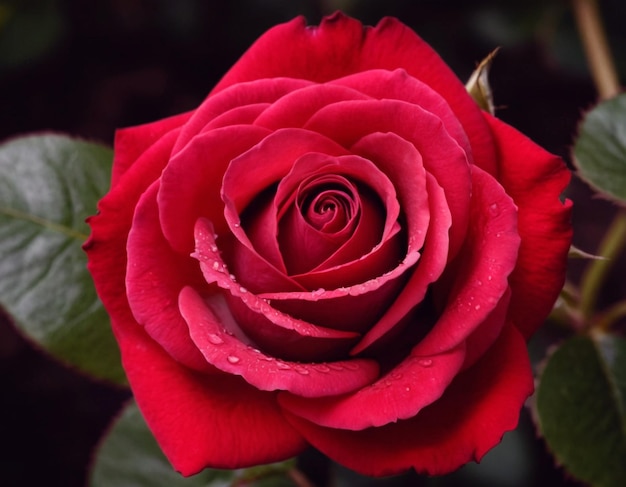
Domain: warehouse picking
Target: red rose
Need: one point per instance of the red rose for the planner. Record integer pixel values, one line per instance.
(336, 248)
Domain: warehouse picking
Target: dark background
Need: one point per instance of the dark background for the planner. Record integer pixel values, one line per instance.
(86, 67)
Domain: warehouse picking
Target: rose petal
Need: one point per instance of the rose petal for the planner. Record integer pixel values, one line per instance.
(342, 46)
(262, 371)
(352, 308)
(249, 175)
(400, 394)
(534, 179)
(154, 277)
(430, 268)
(203, 160)
(132, 142)
(480, 277)
(277, 333)
(220, 421)
(399, 85)
(377, 220)
(465, 423)
(240, 115)
(106, 246)
(295, 108)
(347, 122)
(260, 91)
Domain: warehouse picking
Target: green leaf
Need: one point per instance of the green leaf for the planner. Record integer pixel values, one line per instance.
(49, 184)
(130, 457)
(600, 150)
(581, 408)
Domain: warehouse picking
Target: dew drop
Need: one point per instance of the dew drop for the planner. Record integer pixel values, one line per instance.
(213, 248)
(283, 365)
(302, 370)
(233, 277)
(216, 265)
(425, 362)
(322, 368)
(396, 376)
(351, 366)
(479, 282)
(477, 307)
(494, 209)
(242, 290)
(335, 366)
(232, 359)
(489, 278)
(215, 339)
(237, 225)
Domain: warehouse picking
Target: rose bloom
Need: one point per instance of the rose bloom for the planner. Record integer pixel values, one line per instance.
(337, 248)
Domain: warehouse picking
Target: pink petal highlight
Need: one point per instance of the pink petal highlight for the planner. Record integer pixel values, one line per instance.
(263, 371)
(481, 277)
(400, 394)
(467, 421)
(191, 182)
(264, 324)
(347, 122)
(251, 93)
(535, 180)
(154, 277)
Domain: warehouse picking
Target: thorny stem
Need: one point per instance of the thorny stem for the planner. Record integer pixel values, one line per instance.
(605, 78)
(596, 47)
(597, 270)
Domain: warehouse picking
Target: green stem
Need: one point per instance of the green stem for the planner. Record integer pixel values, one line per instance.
(597, 270)
(596, 47)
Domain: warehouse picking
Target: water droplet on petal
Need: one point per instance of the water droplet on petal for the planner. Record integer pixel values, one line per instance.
(213, 248)
(351, 366)
(425, 362)
(302, 370)
(395, 376)
(283, 365)
(233, 277)
(322, 368)
(479, 282)
(477, 307)
(494, 209)
(215, 339)
(232, 359)
(243, 290)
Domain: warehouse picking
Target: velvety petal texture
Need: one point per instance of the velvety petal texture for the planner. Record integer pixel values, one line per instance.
(337, 248)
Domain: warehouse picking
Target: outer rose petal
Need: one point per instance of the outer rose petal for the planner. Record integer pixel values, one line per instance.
(341, 46)
(262, 371)
(412, 385)
(534, 179)
(154, 277)
(469, 420)
(204, 159)
(106, 247)
(203, 421)
(131, 142)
